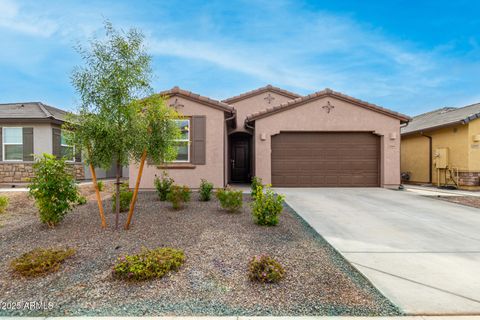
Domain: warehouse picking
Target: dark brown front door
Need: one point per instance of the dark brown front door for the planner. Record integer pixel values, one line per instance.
(240, 160)
(325, 159)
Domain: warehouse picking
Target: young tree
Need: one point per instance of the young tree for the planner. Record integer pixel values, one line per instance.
(116, 73)
(158, 135)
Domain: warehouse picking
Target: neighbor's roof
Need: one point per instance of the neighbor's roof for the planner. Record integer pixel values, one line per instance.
(176, 91)
(30, 111)
(443, 117)
(261, 90)
(321, 94)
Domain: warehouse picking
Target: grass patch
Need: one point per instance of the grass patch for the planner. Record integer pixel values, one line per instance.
(40, 261)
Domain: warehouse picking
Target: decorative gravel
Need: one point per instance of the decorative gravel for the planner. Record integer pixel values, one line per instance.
(213, 280)
(470, 201)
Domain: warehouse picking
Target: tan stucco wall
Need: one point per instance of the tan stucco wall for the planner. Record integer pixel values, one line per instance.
(213, 170)
(415, 151)
(254, 104)
(344, 117)
(473, 146)
(415, 155)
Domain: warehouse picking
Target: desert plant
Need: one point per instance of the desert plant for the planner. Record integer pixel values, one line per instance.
(267, 206)
(40, 261)
(125, 198)
(264, 268)
(256, 181)
(53, 189)
(230, 199)
(81, 200)
(178, 195)
(163, 186)
(206, 190)
(100, 185)
(148, 264)
(3, 203)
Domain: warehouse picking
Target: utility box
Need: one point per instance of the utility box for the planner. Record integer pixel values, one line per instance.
(441, 158)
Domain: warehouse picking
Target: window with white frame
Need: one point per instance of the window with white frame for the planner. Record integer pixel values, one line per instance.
(183, 143)
(67, 151)
(12, 144)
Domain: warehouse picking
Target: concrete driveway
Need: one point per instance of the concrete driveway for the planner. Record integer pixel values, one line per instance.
(422, 253)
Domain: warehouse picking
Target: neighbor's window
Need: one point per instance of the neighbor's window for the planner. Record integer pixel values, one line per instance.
(183, 144)
(12, 144)
(66, 149)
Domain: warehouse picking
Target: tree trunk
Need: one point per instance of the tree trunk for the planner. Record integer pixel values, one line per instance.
(99, 198)
(117, 199)
(135, 192)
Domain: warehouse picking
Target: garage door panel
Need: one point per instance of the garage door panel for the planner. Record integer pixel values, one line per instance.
(327, 159)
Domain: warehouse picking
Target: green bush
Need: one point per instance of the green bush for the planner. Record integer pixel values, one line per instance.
(163, 186)
(230, 199)
(100, 185)
(206, 190)
(256, 181)
(265, 269)
(81, 200)
(178, 195)
(53, 188)
(40, 261)
(266, 207)
(3, 203)
(148, 264)
(125, 198)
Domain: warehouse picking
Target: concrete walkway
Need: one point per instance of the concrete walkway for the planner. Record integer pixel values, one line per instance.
(422, 253)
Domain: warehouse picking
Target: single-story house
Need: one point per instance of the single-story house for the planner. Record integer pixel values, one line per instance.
(325, 139)
(443, 147)
(29, 128)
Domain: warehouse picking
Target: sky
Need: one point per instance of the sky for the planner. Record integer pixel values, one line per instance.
(409, 56)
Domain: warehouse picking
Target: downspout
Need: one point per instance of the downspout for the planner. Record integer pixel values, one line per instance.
(430, 160)
(253, 170)
(225, 143)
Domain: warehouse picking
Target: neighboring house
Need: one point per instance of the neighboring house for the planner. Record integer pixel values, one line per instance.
(33, 128)
(443, 147)
(323, 139)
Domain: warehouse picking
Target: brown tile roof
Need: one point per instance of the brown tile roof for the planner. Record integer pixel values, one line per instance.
(261, 90)
(443, 117)
(30, 111)
(321, 94)
(176, 91)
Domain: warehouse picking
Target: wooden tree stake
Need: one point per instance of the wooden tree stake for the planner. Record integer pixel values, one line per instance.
(135, 192)
(99, 198)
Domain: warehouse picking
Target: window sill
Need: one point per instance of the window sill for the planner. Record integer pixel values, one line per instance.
(177, 166)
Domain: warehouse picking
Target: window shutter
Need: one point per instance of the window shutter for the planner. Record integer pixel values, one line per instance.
(27, 144)
(1, 144)
(199, 136)
(56, 142)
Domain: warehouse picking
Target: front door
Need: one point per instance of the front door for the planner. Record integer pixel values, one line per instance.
(240, 160)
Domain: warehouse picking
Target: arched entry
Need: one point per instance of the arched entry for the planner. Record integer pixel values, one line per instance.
(240, 157)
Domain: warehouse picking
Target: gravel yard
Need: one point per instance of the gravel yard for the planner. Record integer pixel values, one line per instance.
(213, 280)
(470, 201)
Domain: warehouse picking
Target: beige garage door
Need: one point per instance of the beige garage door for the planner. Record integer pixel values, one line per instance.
(325, 159)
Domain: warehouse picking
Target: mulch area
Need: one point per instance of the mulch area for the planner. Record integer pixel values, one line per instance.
(470, 201)
(213, 280)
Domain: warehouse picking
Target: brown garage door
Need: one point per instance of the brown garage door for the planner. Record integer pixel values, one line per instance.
(325, 159)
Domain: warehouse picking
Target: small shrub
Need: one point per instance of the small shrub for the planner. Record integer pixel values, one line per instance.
(256, 181)
(81, 200)
(53, 188)
(178, 195)
(206, 190)
(100, 185)
(148, 264)
(3, 203)
(265, 269)
(125, 198)
(267, 206)
(40, 261)
(230, 199)
(163, 186)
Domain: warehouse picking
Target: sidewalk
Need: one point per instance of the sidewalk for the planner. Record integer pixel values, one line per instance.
(433, 191)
